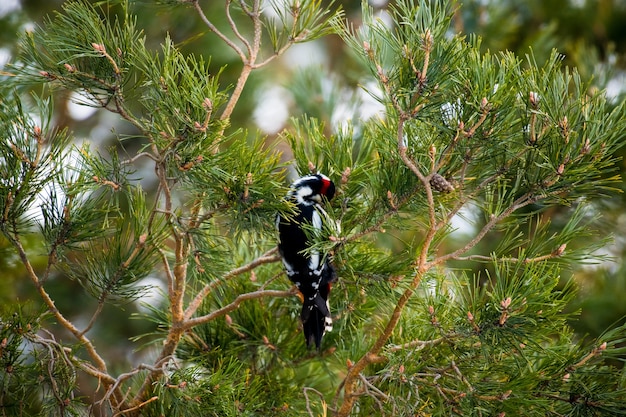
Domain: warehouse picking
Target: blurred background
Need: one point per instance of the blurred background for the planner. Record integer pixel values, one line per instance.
(322, 80)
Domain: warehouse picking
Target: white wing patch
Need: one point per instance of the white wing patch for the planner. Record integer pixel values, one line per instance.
(328, 322)
(288, 267)
(314, 260)
(317, 219)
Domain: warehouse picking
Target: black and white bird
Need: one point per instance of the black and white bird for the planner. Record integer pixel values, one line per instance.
(311, 271)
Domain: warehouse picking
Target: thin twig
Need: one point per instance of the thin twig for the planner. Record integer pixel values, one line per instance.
(594, 352)
(101, 364)
(234, 28)
(275, 55)
(137, 407)
(123, 377)
(420, 344)
(554, 254)
(139, 245)
(522, 201)
(461, 376)
(192, 322)
(305, 390)
(138, 156)
(212, 28)
(268, 257)
(371, 386)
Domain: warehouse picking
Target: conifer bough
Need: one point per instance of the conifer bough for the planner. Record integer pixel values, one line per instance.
(429, 320)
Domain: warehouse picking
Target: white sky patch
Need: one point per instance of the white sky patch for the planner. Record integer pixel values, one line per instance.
(342, 115)
(154, 294)
(305, 54)
(77, 108)
(452, 113)
(385, 18)
(578, 3)
(464, 221)
(105, 128)
(28, 27)
(272, 110)
(370, 107)
(271, 8)
(5, 56)
(52, 194)
(377, 3)
(342, 100)
(616, 86)
(9, 6)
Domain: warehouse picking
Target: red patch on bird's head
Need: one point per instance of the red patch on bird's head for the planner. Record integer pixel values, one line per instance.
(325, 185)
(328, 188)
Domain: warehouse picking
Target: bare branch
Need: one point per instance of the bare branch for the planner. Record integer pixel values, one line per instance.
(234, 28)
(275, 55)
(594, 352)
(461, 376)
(54, 310)
(522, 201)
(235, 304)
(290, 42)
(306, 390)
(212, 28)
(158, 367)
(372, 391)
(136, 407)
(138, 156)
(268, 257)
(554, 254)
(419, 344)
(248, 62)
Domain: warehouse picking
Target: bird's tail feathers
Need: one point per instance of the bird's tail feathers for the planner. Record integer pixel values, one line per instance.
(316, 319)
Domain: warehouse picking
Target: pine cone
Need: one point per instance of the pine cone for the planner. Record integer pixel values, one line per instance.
(440, 184)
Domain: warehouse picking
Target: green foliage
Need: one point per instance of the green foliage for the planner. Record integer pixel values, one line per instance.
(37, 376)
(299, 21)
(229, 391)
(86, 48)
(428, 320)
(182, 87)
(28, 158)
(243, 181)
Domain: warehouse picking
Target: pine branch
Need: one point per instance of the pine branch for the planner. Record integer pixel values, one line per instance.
(554, 254)
(84, 341)
(420, 344)
(212, 28)
(192, 322)
(350, 381)
(135, 407)
(523, 201)
(139, 245)
(234, 27)
(101, 368)
(268, 257)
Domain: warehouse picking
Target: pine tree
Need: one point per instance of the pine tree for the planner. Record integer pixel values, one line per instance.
(426, 321)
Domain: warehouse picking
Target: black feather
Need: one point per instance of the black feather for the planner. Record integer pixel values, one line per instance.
(310, 271)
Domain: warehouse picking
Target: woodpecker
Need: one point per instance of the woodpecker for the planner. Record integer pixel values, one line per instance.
(311, 271)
